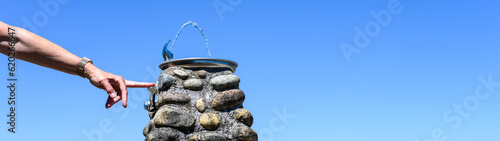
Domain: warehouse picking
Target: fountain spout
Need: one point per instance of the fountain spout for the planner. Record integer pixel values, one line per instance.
(167, 55)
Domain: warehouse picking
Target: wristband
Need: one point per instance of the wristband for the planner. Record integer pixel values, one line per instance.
(80, 69)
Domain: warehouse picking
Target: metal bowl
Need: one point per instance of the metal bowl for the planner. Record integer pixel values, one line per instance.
(200, 63)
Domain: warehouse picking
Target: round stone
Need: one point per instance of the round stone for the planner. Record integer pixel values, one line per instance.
(172, 98)
(228, 99)
(225, 81)
(193, 84)
(148, 128)
(169, 117)
(209, 121)
(201, 73)
(210, 136)
(181, 74)
(244, 133)
(244, 116)
(165, 81)
(200, 105)
(158, 135)
(164, 134)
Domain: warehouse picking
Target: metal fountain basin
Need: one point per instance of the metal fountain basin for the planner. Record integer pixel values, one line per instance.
(200, 63)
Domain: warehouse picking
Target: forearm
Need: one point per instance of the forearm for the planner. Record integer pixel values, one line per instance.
(35, 49)
(38, 50)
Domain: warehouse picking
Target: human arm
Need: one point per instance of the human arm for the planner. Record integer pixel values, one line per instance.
(38, 50)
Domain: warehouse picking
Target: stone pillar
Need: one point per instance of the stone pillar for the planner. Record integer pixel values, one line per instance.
(198, 104)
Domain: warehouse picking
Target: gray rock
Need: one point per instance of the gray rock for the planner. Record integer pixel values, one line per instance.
(193, 84)
(164, 134)
(228, 99)
(244, 133)
(182, 74)
(148, 128)
(172, 98)
(210, 136)
(165, 81)
(225, 81)
(168, 117)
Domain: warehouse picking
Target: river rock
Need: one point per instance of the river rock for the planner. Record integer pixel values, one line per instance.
(165, 81)
(148, 128)
(172, 98)
(244, 116)
(209, 121)
(168, 117)
(193, 84)
(164, 134)
(228, 99)
(210, 136)
(225, 81)
(201, 73)
(182, 74)
(244, 133)
(200, 105)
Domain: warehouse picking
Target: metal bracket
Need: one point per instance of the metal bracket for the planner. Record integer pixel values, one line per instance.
(150, 105)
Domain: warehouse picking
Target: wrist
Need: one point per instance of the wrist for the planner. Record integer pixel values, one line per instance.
(89, 69)
(84, 67)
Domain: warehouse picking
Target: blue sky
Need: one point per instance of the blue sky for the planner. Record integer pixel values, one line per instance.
(403, 85)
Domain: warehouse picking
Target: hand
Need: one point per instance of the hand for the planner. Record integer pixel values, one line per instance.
(115, 85)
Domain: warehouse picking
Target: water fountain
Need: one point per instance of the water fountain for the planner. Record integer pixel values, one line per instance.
(197, 99)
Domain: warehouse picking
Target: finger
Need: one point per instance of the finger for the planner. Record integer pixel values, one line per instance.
(113, 95)
(123, 89)
(116, 99)
(108, 87)
(112, 101)
(134, 84)
(109, 102)
(118, 94)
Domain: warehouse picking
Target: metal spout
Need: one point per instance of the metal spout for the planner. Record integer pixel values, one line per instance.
(167, 55)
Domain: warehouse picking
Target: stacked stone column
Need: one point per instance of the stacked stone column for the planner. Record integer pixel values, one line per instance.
(198, 105)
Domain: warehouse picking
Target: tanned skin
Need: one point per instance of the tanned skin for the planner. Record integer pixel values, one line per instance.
(38, 50)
